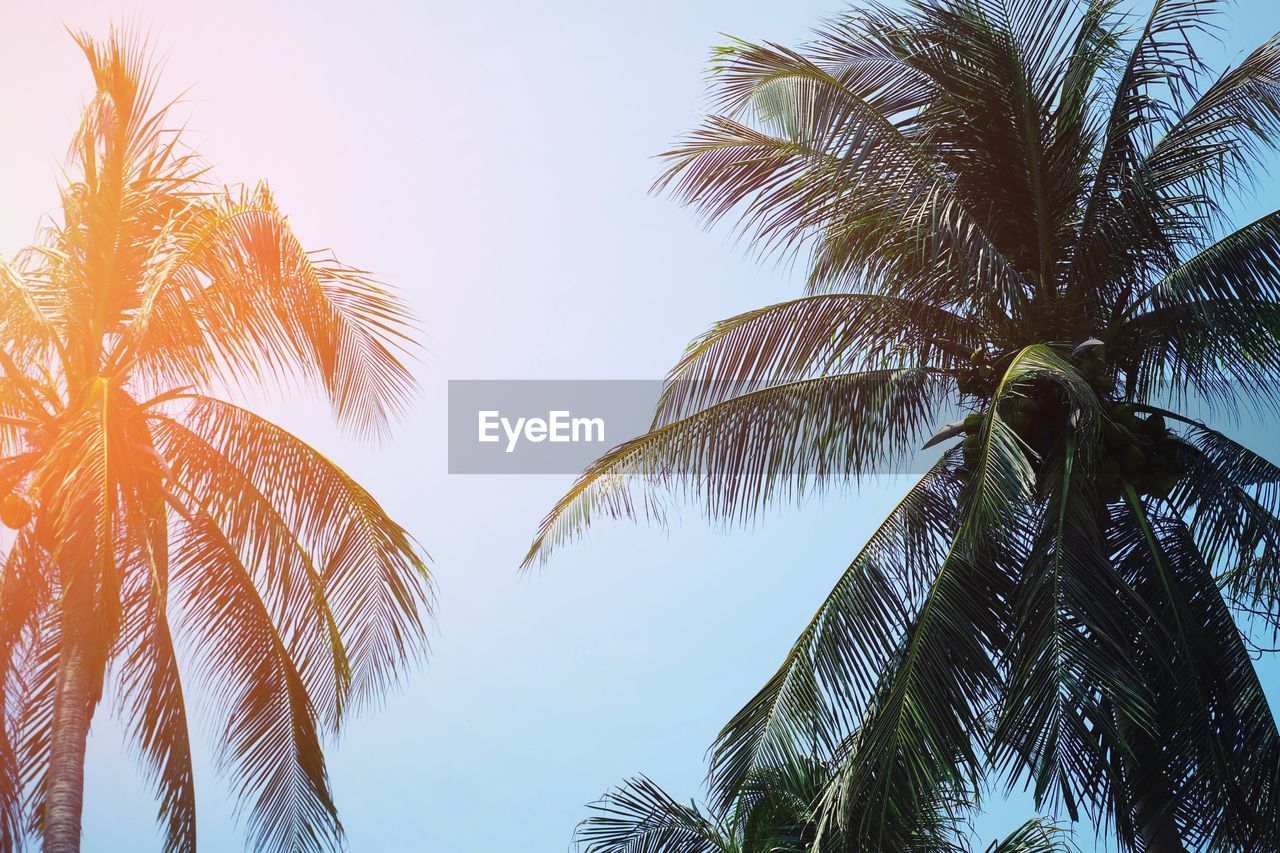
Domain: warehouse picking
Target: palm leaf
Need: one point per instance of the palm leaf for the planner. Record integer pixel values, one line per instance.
(374, 574)
(239, 290)
(151, 697)
(819, 694)
(1220, 751)
(1038, 835)
(812, 336)
(1067, 660)
(269, 738)
(640, 817)
(778, 442)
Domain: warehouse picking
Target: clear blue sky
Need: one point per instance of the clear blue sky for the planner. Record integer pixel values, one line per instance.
(492, 159)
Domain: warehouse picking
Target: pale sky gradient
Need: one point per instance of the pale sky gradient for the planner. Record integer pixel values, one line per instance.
(492, 160)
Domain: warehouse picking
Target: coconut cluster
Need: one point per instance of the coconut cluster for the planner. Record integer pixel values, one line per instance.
(15, 512)
(1138, 451)
(1132, 449)
(1037, 416)
(979, 380)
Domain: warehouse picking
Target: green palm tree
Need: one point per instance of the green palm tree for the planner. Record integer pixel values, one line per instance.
(1010, 207)
(165, 536)
(778, 810)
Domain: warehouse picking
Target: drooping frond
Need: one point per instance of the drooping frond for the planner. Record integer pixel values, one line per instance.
(822, 689)
(152, 701)
(32, 703)
(1067, 654)
(737, 456)
(269, 737)
(640, 817)
(24, 598)
(284, 571)
(374, 574)
(813, 336)
(1038, 835)
(237, 289)
(925, 729)
(1231, 503)
(1211, 756)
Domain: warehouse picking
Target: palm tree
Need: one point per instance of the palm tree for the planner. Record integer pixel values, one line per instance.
(166, 536)
(777, 811)
(1009, 207)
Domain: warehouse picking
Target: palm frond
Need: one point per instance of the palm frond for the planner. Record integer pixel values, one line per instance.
(1217, 144)
(821, 691)
(151, 698)
(1003, 477)
(1038, 835)
(25, 594)
(837, 169)
(239, 290)
(1230, 499)
(640, 817)
(924, 731)
(779, 442)
(1162, 61)
(375, 575)
(269, 740)
(285, 572)
(1219, 751)
(812, 336)
(1067, 660)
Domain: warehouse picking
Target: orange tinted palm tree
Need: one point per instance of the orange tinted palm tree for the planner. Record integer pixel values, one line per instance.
(170, 543)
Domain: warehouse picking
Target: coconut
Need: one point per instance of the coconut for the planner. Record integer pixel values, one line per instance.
(1132, 459)
(14, 511)
(1114, 435)
(1019, 421)
(1122, 413)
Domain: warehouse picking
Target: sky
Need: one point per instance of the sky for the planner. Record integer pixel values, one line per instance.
(492, 160)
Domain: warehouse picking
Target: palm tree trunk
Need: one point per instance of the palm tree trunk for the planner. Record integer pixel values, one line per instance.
(1160, 834)
(1153, 820)
(72, 713)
